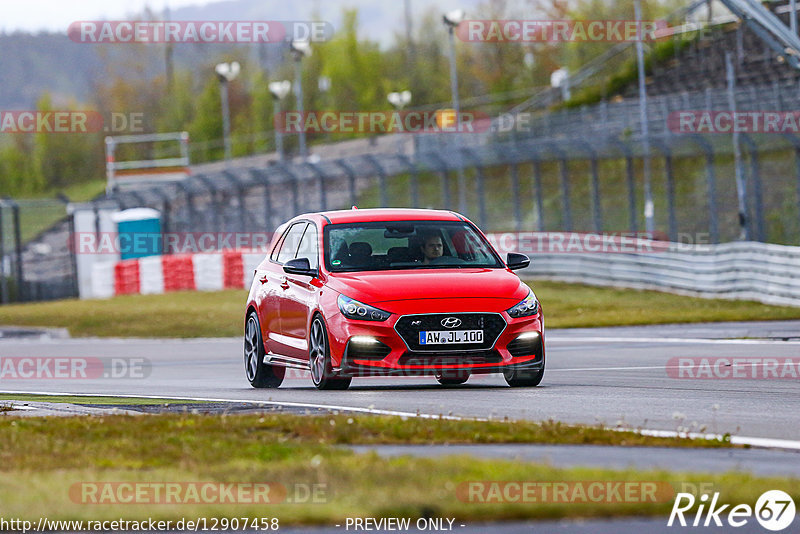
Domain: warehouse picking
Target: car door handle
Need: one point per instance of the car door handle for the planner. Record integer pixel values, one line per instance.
(284, 282)
(263, 279)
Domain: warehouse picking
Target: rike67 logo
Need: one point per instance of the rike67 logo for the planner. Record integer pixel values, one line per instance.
(774, 510)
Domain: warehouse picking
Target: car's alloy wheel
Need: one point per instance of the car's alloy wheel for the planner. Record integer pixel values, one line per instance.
(259, 374)
(319, 358)
(452, 378)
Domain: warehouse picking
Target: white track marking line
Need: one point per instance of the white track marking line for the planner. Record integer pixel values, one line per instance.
(553, 370)
(600, 339)
(734, 366)
(766, 443)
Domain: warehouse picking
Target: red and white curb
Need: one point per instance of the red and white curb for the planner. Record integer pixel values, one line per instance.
(176, 272)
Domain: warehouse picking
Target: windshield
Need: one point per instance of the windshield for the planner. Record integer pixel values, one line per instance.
(377, 246)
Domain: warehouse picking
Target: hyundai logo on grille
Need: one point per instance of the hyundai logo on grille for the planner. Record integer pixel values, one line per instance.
(451, 322)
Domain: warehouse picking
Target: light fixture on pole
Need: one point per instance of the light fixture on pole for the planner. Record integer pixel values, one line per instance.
(226, 72)
(300, 48)
(399, 100)
(452, 19)
(529, 59)
(279, 91)
(559, 79)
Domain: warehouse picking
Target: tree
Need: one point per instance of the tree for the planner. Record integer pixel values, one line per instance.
(60, 159)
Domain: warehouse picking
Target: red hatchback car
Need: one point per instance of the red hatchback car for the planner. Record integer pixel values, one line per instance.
(387, 292)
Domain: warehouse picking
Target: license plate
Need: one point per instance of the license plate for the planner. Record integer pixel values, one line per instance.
(450, 337)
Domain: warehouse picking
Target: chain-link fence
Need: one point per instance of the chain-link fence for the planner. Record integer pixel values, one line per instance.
(578, 184)
(36, 262)
(587, 176)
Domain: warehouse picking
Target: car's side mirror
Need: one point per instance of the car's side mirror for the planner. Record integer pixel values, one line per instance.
(299, 266)
(517, 261)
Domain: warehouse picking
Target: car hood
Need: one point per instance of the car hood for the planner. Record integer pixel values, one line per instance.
(380, 287)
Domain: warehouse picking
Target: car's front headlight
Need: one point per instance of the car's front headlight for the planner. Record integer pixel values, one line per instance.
(527, 307)
(353, 309)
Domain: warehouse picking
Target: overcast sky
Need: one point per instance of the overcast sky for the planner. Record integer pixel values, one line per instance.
(56, 15)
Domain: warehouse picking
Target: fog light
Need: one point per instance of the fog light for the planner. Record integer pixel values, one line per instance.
(363, 340)
(528, 335)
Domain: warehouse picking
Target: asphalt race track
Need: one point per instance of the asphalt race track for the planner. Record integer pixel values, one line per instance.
(610, 375)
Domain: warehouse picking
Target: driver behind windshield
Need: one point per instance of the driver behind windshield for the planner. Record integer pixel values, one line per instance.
(432, 247)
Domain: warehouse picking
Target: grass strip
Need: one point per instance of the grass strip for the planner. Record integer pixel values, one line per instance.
(60, 467)
(72, 442)
(221, 314)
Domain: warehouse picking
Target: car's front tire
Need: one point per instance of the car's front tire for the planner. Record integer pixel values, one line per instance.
(523, 378)
(319, 358)
(259, 374)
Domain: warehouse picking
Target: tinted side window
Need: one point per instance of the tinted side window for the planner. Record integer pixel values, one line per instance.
(309, 245)
(278, 245)
(291, 242)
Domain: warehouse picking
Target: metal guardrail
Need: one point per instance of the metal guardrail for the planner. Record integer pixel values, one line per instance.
(740, 271)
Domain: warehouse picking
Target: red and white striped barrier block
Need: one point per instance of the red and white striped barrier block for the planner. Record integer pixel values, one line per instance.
(232, 269)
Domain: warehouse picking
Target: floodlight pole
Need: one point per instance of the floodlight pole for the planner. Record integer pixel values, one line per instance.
(648, 193)
(226, 120)
(462, 185)
(399, 101)
(276, 111)
(741, 184)
(298, 84)
(453, 71)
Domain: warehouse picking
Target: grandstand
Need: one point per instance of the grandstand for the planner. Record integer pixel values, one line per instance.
(700, 63)
(691, 77)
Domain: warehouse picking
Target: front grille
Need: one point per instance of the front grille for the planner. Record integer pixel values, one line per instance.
(445, 360)
(408, 328)
(525, 347)
(363, 351)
